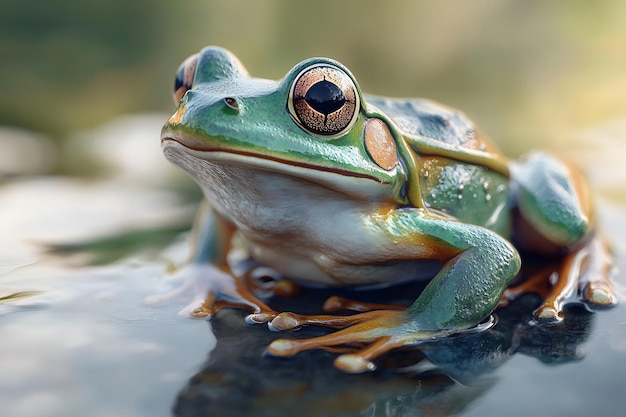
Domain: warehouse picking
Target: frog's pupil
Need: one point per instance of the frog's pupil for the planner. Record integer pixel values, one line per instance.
(325, 97)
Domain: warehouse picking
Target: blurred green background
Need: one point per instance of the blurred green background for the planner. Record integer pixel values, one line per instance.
(528, 72)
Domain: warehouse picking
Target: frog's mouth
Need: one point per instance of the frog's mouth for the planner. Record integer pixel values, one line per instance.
(194, 158)
(204, 151)
(211, 153)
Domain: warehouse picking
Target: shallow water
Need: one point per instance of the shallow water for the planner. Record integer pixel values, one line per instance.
(80, 257)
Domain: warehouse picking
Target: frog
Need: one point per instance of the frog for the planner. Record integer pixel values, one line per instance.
(328, 186)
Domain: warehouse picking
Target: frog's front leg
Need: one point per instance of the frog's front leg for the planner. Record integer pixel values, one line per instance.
(209, 275)
(477, 266)
(556, 217)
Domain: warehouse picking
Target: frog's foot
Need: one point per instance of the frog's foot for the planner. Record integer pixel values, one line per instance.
(336, 303)
(212, 289)
(372, 333)
(585, 272)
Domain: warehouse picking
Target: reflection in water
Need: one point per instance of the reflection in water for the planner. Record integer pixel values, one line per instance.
(441, 377)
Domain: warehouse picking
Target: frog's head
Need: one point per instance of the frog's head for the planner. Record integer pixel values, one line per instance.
(313, 125)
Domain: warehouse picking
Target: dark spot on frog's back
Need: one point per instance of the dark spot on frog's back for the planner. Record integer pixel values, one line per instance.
(427, 118)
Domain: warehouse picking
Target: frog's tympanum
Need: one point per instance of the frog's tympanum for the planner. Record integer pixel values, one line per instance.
(327, 186)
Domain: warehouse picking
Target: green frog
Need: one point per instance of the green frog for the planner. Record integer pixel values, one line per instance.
(327, 186)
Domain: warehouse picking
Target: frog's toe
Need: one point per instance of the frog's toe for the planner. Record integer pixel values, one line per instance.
(354, 363)
(261, 317)
(286, 321)
(600, 294)
(549, 313)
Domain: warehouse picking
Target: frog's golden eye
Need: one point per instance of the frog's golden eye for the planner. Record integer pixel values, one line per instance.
(184, 77)
(324, 100)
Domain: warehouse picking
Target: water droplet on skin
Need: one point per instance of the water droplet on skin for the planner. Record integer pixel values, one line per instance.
(461, 187)
(460, 197)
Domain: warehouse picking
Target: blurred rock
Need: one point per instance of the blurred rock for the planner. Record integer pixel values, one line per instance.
(25, 153)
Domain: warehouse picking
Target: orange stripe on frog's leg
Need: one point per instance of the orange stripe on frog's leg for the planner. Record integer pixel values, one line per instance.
(288, 321)
(336, 303)
(538, 283)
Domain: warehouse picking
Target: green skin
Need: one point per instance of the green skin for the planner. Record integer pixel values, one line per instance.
(320, 209)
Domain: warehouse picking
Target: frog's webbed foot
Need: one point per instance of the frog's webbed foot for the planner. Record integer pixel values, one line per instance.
(584, 272)
(213, 288)
(370, 335)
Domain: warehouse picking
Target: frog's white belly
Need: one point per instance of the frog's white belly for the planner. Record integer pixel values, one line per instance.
(301, 228)
(328, 270)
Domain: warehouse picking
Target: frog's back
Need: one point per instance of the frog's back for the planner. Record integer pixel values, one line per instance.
(427, 118)
(471, 193)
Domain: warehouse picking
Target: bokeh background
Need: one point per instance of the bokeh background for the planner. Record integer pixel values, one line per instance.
(528, 72)
(92, 216)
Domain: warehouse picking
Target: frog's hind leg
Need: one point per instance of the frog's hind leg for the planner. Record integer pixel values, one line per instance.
(554, 205)
(585, 271)
(556, 216)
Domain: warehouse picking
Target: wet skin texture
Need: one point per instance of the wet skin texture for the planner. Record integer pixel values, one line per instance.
(327, 186)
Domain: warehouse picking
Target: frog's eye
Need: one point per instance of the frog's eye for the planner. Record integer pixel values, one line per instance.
(323, 100)
(184, 77)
